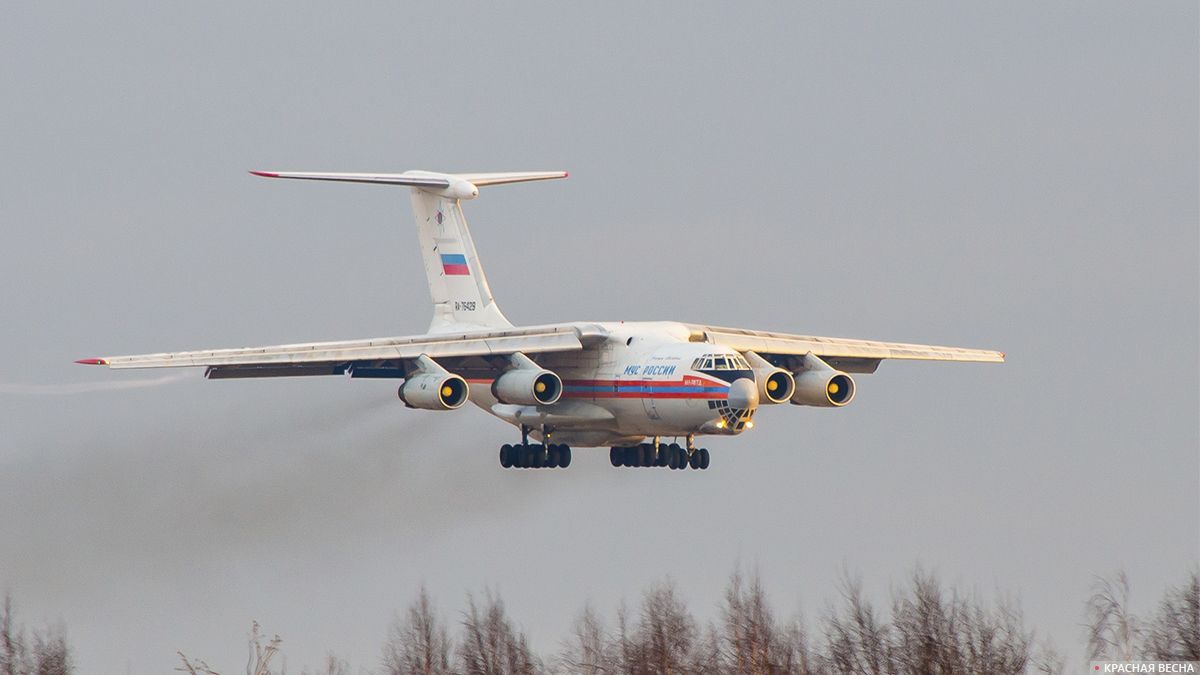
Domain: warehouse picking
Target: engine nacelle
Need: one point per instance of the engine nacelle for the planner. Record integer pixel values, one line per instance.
(775, 385)
(528, 386)
(434, 391)
(823, 388)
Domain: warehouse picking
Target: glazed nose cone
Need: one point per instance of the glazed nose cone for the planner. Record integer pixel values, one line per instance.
(743, 394)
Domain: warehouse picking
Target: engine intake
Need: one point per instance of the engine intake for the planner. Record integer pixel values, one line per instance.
(777, 386)
(434, 391)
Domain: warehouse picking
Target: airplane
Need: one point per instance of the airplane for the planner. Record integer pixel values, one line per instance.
(627, 386)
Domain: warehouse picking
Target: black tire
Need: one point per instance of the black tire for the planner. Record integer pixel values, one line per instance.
(506, 459)
(704, 458)
(694, 460)
(551, 457)
(564, 456)
(539, 456)
(615, 456)
(673, 459)
(663, 458)
(520, 456)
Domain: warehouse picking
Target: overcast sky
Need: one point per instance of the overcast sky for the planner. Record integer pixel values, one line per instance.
(1018, 176)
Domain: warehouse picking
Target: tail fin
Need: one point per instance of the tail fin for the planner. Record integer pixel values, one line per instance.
(462, 299)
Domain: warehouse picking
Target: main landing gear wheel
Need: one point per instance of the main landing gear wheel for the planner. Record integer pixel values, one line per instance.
(535, 456)
(673, 456)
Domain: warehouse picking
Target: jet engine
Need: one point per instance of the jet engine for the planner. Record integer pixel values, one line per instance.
(432, 387)
(527, 384)
(775, 385)
(823, 388)
(434, 391)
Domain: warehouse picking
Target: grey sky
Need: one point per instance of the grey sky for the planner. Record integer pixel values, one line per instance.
(1016, 176)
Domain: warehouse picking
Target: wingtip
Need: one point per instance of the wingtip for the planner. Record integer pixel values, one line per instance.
(265, 174)
(92, 362)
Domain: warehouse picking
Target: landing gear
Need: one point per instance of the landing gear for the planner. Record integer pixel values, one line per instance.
(528, 455)
(660, 455)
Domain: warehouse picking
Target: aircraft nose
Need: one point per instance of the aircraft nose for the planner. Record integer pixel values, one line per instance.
(743, 394)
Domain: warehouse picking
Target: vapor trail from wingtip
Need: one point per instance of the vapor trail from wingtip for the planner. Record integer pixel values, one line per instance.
(18, 389)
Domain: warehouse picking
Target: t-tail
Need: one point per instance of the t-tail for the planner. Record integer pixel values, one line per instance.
(462, 299)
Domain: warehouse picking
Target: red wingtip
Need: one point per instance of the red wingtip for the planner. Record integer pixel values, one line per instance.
(566, 174)
(93, 362)
(265, 174)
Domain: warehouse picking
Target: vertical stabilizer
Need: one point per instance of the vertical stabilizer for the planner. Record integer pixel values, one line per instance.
(462, 299)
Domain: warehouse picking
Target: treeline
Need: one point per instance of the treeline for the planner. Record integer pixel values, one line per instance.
(925, 628)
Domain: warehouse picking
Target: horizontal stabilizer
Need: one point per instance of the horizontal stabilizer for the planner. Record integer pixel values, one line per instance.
(419, 179)
(376, 178)
(482, 179)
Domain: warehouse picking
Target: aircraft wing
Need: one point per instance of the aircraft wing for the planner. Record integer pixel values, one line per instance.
(862, 356)
(378, 357)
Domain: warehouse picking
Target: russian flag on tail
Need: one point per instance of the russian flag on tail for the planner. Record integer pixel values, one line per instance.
(455, 264)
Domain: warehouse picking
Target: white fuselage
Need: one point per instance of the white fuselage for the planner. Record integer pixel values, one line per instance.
(644, 379)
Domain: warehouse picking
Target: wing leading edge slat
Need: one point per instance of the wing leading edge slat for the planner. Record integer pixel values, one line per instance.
(864, 350)
(311, 355)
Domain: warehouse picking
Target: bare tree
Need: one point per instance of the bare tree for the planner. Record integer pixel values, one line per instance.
(588, 651)
(856, 642)
(14, 659)
(627, 652)
(923, 627)
(418, 643)
(259, 662)
(1113, 630)
(1048, 661)
(706, 653)
(988, 641)
(491, 645)
(752, 645)
(795, 656)
(50, 653)
(1174, 632)
(666, 631)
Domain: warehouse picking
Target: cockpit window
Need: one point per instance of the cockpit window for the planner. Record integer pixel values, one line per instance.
(720, 362)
